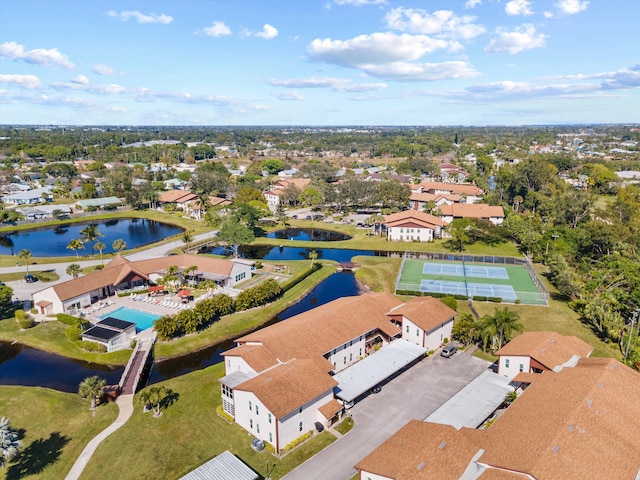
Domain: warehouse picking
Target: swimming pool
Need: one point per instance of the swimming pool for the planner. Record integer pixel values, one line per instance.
(143, 320)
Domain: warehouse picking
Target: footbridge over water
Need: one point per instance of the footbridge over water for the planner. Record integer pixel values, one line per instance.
(139, 358)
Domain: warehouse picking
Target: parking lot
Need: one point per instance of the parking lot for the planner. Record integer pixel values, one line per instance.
(412, 396)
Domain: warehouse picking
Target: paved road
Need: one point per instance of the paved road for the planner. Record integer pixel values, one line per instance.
(411, 396)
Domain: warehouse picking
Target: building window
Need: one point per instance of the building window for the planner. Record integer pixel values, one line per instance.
(345, 360)
(506, 363)
(360, 354)
(417, 332)
(250, 405)
(251, 424)
(351, 357)
(521, 367)
(334, 365)
(257, 427)
(269, 417)
(228, 362)
(227, 392)
(257, 410)
(300, 410)
(300, 426)
(407, 328)
(270, 438)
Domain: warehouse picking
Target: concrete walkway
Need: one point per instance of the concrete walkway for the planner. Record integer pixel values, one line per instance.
(125, 404)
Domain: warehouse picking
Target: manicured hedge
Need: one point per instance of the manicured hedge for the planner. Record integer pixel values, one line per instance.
(68, 319)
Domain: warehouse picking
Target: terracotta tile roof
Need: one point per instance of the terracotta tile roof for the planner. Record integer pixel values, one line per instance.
(284, 388)
(496, 474)
(313, 333)
(579, 423)
(330, 409)
(427, 197)
(456, 188)
(205, 264)
(582, 422)
(548, 348)
(422, 450)
(178, 196)
(425, 312)
(256, 356)
(301, 183)
(408, 216)
(471, 210)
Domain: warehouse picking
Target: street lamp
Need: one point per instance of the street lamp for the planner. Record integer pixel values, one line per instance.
(269, 472)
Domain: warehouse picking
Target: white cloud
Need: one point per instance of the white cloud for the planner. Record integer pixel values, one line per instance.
(377, 48)
(38, 56)
(359, 3)
(80, 80)
(443, 23)
(518, 7)
(217, 29)
(125, 15)
(288, 96)
(571, 7)
(24, 81)
(522, 38)
(422, 72)
(336, 84)
(268, 32)
(101, 69)
(472, 3)
(628, 77)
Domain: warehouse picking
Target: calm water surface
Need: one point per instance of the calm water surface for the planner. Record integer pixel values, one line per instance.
(53, 241)
(308, 234)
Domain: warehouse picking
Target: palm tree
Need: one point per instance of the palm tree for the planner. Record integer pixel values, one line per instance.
(91, 387)
(155, 396)
(90, 233)
(499, 326)
(76, 244)
(100, 246)
(74, 270)
(189, 271)
(187, 238)
(9, 443)
(119, 244)
(25, 254)
(377, 219)
(313, 255)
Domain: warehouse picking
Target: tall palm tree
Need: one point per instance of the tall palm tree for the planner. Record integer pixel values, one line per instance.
(155, 396)
(189, 271)
(100, 246)
(187, 238)
(9, 443)
(500, 326)
(119, 244)
(91, 387)
(25, 254)
(313, 255)
(74, 270)
(90, 233)
(76, 244)
(377, 219)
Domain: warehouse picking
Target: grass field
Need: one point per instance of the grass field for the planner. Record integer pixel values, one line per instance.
(519, 277)
(55, 427)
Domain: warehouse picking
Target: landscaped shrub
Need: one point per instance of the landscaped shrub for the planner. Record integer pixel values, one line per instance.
(495, 299)
(450, 301)
(258, 295)
(68, 319)
(292, 283)
(299, 440)
(211, 309)
(26, 322)
(479, 298)
(220, 411)
(74, 332)
(91, 346)
(21, 315)
(168, 327)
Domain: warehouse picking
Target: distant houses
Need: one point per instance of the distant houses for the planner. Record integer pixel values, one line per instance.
(413, 226)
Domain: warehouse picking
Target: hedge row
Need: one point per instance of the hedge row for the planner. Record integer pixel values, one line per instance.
(292, 283)
(68, 319)
(416, 293)
(298, 441)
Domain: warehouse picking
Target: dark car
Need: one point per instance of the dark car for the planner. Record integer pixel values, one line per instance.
(449, 351)
(30, 278)
(308, 217)
(295, 217)
(376, 389)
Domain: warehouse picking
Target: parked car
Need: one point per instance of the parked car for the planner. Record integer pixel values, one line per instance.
(308, 217)
(376, 389)
(295, 217)
(449, 351)
(30, 278)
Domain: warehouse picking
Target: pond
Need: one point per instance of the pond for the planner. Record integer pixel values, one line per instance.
(53, 241)
(308, 235)
(21, 365)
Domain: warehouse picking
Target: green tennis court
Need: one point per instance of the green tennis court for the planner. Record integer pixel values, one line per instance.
(439, 277)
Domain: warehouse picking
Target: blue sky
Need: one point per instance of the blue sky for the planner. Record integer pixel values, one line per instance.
(326, 62)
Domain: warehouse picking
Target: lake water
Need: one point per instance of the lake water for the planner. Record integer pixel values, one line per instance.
(21, 365)
(269, 252)
(308, 235)
(53, 241)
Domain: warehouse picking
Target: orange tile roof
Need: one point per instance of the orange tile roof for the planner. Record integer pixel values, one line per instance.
(420, 451)
(318, 331)
(582, 422)
(427, 197)
(425, 312)
(330, 409)
(285, 387)
(472, 210)
(406, 216)
(456, 188)
(256, 356)
(179, 196)
(548, 348)
(301, 183)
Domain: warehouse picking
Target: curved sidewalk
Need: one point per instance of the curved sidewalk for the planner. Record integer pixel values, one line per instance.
(125, 404)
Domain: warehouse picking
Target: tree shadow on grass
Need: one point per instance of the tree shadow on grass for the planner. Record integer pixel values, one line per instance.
(37, 456)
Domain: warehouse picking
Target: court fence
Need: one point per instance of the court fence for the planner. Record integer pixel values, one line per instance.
(541, 297)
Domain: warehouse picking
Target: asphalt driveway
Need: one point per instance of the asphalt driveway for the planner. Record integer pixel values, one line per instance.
(411, 396)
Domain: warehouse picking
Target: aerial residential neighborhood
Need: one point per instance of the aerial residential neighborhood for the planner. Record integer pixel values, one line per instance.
(320, 240)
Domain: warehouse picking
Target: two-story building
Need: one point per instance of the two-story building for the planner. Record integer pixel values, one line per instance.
(413, 226)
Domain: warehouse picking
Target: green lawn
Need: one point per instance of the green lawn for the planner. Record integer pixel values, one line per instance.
(188, 434)
(55, 427)
(378, 273)
(42, 275)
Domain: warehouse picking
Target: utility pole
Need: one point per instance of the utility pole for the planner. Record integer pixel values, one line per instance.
(634, 319)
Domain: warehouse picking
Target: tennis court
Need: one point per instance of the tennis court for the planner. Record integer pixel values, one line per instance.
(455, 270)
(505, 292)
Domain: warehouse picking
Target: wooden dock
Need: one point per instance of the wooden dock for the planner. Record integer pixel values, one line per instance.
(133, 371)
